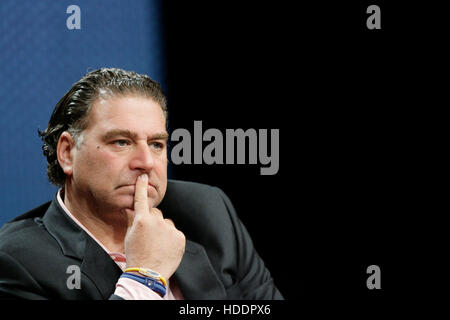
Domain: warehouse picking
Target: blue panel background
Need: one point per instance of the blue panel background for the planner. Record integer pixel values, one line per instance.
(40, 59)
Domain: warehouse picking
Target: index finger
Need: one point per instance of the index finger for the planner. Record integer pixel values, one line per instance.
(140, 195)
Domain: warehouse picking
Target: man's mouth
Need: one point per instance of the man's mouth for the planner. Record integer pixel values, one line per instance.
(134, 185)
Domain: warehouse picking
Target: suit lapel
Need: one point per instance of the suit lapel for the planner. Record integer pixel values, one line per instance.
(76, 243)
(98, 266)
(196, 276)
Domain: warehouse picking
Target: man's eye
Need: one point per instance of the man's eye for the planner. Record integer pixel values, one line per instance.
(120, 143)
(157, 145)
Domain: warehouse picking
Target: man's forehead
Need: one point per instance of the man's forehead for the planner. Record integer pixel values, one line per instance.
(127, 113)
(124, 103)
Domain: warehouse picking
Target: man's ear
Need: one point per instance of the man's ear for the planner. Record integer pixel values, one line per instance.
(63, 151)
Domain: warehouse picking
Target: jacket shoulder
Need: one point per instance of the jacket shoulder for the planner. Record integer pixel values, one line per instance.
(202, 211)
(196, 197)
(33, 213)
(22, 230)
(188, 190)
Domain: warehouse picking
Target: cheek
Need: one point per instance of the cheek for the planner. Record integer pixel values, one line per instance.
(110, 165)
(160, 169)
(95, 164)
(161, 165)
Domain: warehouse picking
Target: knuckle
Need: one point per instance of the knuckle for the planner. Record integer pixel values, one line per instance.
(169, 222)
(160, 223)
(181, 237)
(156, 211)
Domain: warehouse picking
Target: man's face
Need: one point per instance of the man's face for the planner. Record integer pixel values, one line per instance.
(125, 137)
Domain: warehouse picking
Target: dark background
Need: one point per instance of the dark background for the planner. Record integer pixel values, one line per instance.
(357, 111)
(345, 99)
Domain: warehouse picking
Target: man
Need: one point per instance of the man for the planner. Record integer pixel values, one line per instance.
(117, 228)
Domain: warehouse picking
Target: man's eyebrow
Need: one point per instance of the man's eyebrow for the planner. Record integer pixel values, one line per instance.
(119, 132)
(159, 136)
(132, 135)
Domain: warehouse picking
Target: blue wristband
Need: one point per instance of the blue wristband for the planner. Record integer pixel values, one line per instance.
(149, 282)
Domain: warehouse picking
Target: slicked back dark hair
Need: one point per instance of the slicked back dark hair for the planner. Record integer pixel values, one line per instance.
(71, 112)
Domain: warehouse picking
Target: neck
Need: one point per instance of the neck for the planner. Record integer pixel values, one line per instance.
(107, 226)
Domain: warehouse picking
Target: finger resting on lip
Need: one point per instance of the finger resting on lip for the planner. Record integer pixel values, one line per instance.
(142, 179)
(140, 194)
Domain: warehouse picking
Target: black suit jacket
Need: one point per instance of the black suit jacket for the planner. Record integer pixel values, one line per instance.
(219, 262)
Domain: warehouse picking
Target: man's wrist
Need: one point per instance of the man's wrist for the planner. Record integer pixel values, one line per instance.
(130, 289)
(149, 282)
(148, 273)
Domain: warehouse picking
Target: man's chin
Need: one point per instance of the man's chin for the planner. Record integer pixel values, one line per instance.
(129, 203)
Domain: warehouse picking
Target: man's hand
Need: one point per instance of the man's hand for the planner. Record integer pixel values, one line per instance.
(152, 241)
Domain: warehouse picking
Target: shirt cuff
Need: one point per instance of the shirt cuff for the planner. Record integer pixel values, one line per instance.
(130, 289)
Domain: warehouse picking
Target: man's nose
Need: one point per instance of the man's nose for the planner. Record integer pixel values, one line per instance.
(142, 158)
